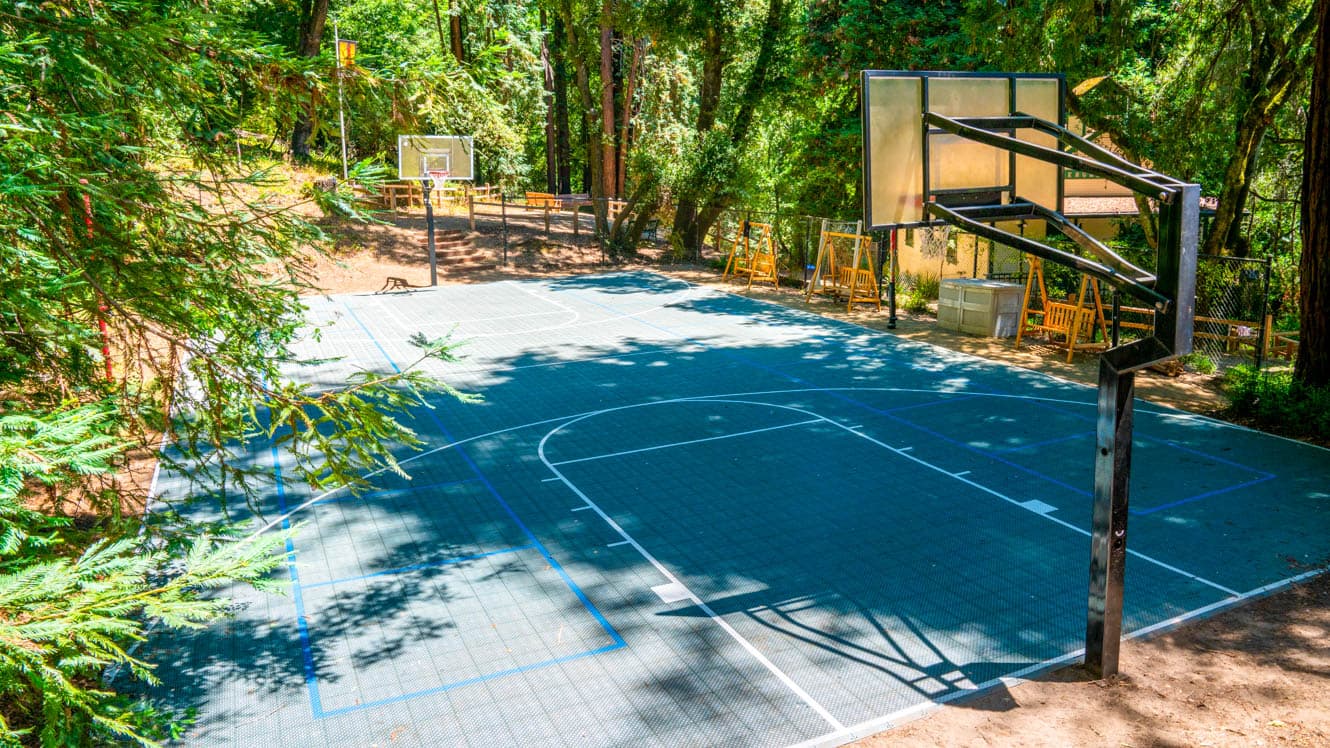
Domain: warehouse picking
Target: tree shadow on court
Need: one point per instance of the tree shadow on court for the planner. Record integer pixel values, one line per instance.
(825, 576)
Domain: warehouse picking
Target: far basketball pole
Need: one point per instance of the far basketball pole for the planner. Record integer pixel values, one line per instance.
(426, 184)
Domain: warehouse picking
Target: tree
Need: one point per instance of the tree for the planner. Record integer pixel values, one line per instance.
(313, 17)
(122, 203)
(1313, 365)
(703, 193)
(1191, 89)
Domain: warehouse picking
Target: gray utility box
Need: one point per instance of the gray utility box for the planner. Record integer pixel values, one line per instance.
(979, 307)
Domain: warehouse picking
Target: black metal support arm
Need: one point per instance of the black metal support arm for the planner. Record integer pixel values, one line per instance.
(1172, 290)
(973, 224)
(1148, 183)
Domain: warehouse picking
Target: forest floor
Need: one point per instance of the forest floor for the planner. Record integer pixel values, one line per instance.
(1254, 675)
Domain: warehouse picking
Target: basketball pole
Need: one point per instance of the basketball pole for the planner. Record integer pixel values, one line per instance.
(425, 187)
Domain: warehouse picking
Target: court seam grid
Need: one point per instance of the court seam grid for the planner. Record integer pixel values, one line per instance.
(837, 735)
(311, 676)
(457, 444)
(887, 413)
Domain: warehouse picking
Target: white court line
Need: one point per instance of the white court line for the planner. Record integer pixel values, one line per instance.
(687, 291)
(487, 369)
(904, 452)
(948, 353)
(684, 590)
(1025, 674)
(690, 398)
(690, 441)
(814, 417)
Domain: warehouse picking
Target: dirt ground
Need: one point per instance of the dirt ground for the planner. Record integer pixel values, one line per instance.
(1255, 675)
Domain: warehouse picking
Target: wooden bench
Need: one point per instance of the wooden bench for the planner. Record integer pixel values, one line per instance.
(1070, 321)
(542, 200)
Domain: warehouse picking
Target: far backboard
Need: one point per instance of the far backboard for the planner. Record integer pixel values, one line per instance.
(417, 155)
(906, 163)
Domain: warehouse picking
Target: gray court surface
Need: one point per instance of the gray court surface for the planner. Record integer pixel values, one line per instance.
(683, 517)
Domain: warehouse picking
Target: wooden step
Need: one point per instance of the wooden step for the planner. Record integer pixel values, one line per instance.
(458, 255)
(465, 266)
(447, 244)
(446, 236)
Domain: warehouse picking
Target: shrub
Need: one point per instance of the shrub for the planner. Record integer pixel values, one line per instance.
(1199, 363)
(1274, 401)
(923, 289)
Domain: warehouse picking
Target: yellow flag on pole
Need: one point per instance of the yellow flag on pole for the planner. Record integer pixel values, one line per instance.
(346, 53)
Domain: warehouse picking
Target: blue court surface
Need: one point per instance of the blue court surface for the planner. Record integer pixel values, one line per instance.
(684, 517)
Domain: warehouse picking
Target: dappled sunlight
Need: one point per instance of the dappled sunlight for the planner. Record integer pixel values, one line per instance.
(688, 511)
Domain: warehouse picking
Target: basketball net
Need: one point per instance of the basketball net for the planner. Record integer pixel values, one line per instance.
(934, 240)
(439, 177)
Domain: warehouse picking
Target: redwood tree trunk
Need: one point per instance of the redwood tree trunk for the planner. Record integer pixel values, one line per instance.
(1313, 364)
(562, 137)
(455, 30)
(313, 18)
(606, 181)
(698, 222)
(438, 26)
(551, 156)
(1277, 70)
(714, 59)
(626, 119)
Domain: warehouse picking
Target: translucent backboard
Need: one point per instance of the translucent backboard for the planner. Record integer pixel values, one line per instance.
(417, 155)
(906, 164)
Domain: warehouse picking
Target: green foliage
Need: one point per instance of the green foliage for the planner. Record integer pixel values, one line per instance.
(121, 204)
(924, 288)
(1275, 401)
(1199, 363)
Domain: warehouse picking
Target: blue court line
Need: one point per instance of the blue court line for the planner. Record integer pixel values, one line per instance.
(471, 681)
(1199, 496)
(1262, 475)
(507, 508)
(1163, 442)
(846, 398)
(403, 489)
(302, 622)
(943, 401)
(1045, 442)
(418, 567)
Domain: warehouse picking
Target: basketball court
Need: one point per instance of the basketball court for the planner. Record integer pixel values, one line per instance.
(685, 517)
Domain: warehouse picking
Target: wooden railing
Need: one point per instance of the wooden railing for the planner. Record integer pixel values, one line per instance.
(1235, 334)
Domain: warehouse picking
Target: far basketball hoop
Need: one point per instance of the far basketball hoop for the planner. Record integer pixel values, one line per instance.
(420, 155)
(439, 177)
(434, 160)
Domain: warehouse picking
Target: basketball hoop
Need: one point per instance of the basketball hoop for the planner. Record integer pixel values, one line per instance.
(438, 177)
(934, 240)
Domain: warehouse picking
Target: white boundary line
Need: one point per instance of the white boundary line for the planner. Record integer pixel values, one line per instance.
(691, 441)
(1026, 674)
(691, 596)
(889, 720)
(688, 290)
(690, 398)
(1164, 412)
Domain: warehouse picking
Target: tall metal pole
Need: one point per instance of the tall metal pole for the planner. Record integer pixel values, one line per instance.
(429, 230)
(341, 109)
